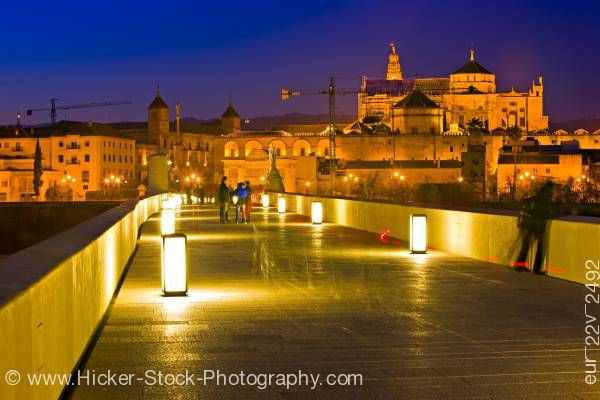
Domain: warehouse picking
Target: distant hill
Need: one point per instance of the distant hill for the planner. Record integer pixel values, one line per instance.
(588, 123)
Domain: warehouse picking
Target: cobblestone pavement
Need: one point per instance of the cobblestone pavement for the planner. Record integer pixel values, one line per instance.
(280, 295)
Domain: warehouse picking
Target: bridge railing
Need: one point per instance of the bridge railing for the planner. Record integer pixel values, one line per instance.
(54, 295)
(488, 235)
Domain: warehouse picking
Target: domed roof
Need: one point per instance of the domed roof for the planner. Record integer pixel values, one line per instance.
(472, 67)
(230, 112)
(158, 102)
(416, 99)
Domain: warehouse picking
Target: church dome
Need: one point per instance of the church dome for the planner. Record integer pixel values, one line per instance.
(416, 99)
(472, 67)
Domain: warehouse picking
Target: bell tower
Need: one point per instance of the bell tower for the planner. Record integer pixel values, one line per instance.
(394, 71)
(158, 120)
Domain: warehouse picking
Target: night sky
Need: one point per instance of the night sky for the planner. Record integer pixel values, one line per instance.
(202, 52)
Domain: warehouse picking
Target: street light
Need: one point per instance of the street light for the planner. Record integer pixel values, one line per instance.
(167, 221)
(281, 205)
(174, 264)
(265, 200)
(418, 233)
(317, 212)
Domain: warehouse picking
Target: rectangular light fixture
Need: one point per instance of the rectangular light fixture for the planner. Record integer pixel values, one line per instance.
(418, 233)
(166, 203)
(174, 265)
(317, 212)
(167, 221)
(265, 200)
(281, 205)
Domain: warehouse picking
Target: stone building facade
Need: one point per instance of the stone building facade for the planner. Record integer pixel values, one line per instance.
(469, 92)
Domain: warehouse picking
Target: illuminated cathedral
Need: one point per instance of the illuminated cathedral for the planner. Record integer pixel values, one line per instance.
(447, 104)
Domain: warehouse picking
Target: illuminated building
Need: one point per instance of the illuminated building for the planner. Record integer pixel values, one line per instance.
(80, 160)
(467, 93)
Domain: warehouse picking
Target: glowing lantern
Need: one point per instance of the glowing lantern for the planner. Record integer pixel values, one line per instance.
(317, 212)
(234, 199)
(265, 200)
(167, 221)
(174, 264)
(418, 233)
(281, 205)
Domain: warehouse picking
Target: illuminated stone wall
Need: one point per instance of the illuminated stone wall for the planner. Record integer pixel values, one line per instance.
(54, 295)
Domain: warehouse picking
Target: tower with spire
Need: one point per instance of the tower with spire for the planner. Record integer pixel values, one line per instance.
(158, 120)
(394, 71)
(230, 120)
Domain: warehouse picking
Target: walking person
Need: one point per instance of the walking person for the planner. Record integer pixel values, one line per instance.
(532, 226)
(248, 201)
(223, 201)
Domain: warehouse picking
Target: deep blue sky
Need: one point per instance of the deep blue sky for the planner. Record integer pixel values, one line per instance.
(201, 52)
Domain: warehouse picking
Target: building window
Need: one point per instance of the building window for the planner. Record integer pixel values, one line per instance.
(120, 159)
(522, 121)
(104, 157)
(85, 176)
(2, 196)
(414, 130)
(85, 187)
(6, 145)
(206, 146)
(113, 158)
(87, 143)
(86, 158)
(61, 158)
(4, 183)
(131, 159)
(302, 151)
(60, 144)
(547, 170)
(451, 149)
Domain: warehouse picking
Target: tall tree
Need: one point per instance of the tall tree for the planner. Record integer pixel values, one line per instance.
(37, 169)
(476, 130)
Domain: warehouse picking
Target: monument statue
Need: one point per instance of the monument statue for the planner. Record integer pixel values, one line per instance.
(274, 181)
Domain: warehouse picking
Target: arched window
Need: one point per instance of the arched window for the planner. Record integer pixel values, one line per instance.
(301, 147)
(252, 145)
(280, 147)
(323, 147)
(231, 150)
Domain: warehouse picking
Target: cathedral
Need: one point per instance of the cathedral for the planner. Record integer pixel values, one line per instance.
(447, 104)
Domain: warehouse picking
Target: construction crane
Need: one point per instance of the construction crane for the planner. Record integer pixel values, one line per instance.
(331, 92)
(53, 107)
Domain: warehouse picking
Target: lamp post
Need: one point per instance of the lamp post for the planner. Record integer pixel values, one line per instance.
(418, 233)
(317, 212)
(281, 206)
(174, 264)
(167, 217)
(265, 200)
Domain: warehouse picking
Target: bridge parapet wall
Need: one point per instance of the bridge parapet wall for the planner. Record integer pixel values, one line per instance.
(484, 234)
(54, 295)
